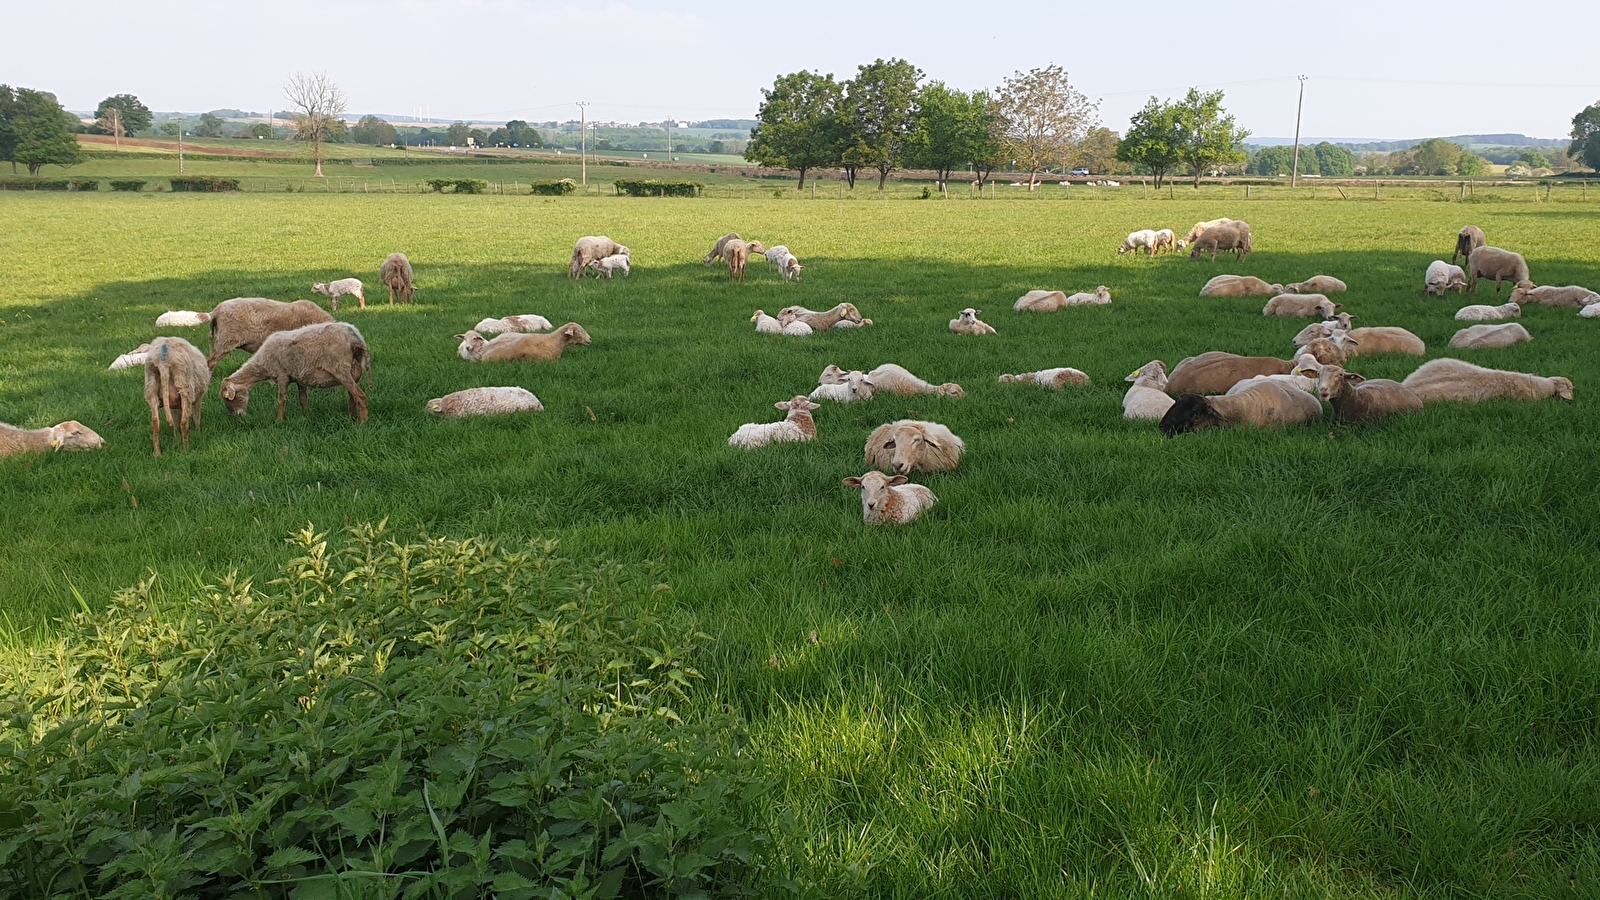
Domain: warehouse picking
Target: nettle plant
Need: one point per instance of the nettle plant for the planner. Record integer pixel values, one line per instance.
(444, 718)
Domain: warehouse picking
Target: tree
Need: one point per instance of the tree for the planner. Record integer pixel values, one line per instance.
(209, 126)
(798, 125)
(1586, 137)
(1437, 156)
(951, 128)
(375, 131)
(988, 148)
(1097, 152)
(1533, 159)
(318, 104)
(1154, 139)
(33, 130)
(1273, 161)
(1043, 116)
(881, 106)
(457, 134)
(1472, 165)
(521, 134)
(1209, 138)
(1334, 161)
(259, 131)
(122, 114)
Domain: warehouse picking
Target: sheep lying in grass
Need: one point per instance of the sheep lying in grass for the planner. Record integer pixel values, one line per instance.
(1355, 399)
(967, 323)
(851, 386)
(331, 354)
(797, 328)
(889, 500)
(333, 290)
(1490, 337)
(244, 323)
(1268, 404)
(1591, 311)
(1054, 379)
(1501, 265)
(796, 426)
(1199, 229)
(893, 379)
(175, 375)
(1468, 239)
(766, 324)
(1147, 397)
(591, 248)
(716, 248)
(181, 318)
(486, 401)
(1455, 380)
(609, 265)
(1216, 371)
(1303, 305)
(522, 324)
(821, 321)
(1383, 339)
(1050, 301)
(395, 273)
(1483, 313)
(1442, 277)
(1238, 286)
(1303, 378)
(910, 446)
(1572, 296)
(69, 435)
(1317, 284)
(525, 347)
(1224, 238)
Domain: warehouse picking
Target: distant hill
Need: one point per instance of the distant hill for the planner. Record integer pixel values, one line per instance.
(1362, 145)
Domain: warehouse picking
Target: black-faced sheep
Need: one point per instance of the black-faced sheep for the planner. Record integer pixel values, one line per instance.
(910, 446)
(331, 354)
(1268, 404)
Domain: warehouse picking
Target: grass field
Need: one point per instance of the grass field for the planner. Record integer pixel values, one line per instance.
(1332, 661)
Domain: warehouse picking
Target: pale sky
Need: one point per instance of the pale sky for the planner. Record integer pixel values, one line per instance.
(1385, 70)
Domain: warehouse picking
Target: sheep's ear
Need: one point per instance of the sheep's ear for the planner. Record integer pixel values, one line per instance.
(898, 480)
(852, 481)
(782, 404)
(1353, 378)
(435, 406)
(461, 337)
(1306, 372)
(932, 443)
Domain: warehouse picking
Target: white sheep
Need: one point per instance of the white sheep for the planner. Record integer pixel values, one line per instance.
(785, 261)
(395, 273)
(1592, 311)
(524, 324)
(1317, 284)
(1137, 240)
(895, 379)
(821, 321)
(1147, 397)
(1499, 264)
(1573, 296)
(766, 324)
(607, 266)
(1384, 339)
(1454, 379)
(1442, 277)
(910, 446)
(797, 328)
(1479, 312)
(1165, 238)
(1490, 337)
(887, 500)
(333, 290)
(486, 401)
(327, 354)
(967, 323)
(69, 435)
(1100, 297)
(176, 376)
(182, 318)
(590, 248)
(1238, 286)
(1054, 379)
(1265, 404)
(796, 426)
(1300, 305)
(852, 386)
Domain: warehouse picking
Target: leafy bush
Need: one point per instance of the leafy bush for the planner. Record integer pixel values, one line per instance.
(205, 184)
(130, 184)
(559, 188)
(35, 184)
(85, 184)
(458, 185)
(634, 187)
(441, 719)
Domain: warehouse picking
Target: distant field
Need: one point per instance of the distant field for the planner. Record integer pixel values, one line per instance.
(1333, 661)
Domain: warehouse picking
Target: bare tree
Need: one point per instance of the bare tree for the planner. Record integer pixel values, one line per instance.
(1043, 117)
(318, 104)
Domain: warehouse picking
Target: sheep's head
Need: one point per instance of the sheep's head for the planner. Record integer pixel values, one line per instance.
(1563, 387)
(874, 487)
(623, 251)
(757, 316)
(1008, 379)
(1512, 309)
(969, 316)
(799, 403)
(1325, 351)
(848, 310)
(791, 266)
(1519, 294)
(573, 333)
(471, 344)
(235, 398)
(1103, 293)
(1155, 368)
(1190, 412)
(906, 444)
(831, 375)
(755, 247)
(321, 288)
(436, 405)
(1332, 381)
(1123, 249)
(1326, 308)
(74, 435)
(952, 390)
(1182, 244)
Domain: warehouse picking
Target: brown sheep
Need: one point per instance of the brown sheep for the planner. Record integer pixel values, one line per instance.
(1572, 296)
(1238, 286)
(1355, 399)
(69, 435)
(331, 354)
(395, 273)
(737, 255)
(1215, 372)
(1229, 236)
(525, 347)
(910, 446)
(243, 323)
(1493, 262)
(1454, 379)
(1300, 305)
(1383, 339)
(175, 375)
(1268, 404)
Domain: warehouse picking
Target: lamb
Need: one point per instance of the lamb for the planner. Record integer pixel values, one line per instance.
(607, 266)
(524, 324)
(968, 323)
(1317, 284)
(1482, 313)
(737, 253)
(243, 323)
(1199, 229)
(1303, 305)
(1238, 286)
(1468, 239)
(797, 328)
(1165, 238)
(1268, 404)
(833, 375)
(1490, 337)
(1228, 236)
(1572, 296)
(1443, 277)
(524, 347)
(1303, 378)
(1050, 301)
(175, 375)
(766, 324)
(69, 435)
(1453, 379)
(1216, 371)
(846, 323)
(1333, 329)
(887, 500)
(395, 273)
(1147, 398)
(1355, 399)
(1100, 297)
(909, 445)
(328, 354)
(591, 248)
(852, 386)
(796, 426)
(781, 257)
(1054, 379)
(336, 289)
(1327, 351)
(821, 321)
(1590, 312)
(181, 318)
(1493, 262)
(485, 401)
(1384, 339)
(1137, 240)
(716, 249)
(896, 380)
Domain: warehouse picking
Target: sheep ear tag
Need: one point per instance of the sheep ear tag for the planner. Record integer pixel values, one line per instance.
(1135, 373)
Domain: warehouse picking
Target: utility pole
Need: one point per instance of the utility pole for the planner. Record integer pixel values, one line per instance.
(583, 141)
(116, 127)
(667, 127)
(1294, 176)
(180, 146)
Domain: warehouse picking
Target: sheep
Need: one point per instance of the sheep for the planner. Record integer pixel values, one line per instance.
(766, 324)
(716, 249)
(1482, 313)
(181, 318)
(1050, 301)
(1453, 379)
(1238, 286)
(852, 386)
(1303, 378)
(1268, 404)
(328, 354)
(1443, 277)
(1199, 229)
(1384, 339)
(846, 323)
(1100, 297)
(1589, 312)
(485, 401)
(525, 324)
(796, 426)
(797, 328)
(1355, 399)
(1303, 305)
(1468, 239)
(336, 289)
(243, 323)
(1317, 284)
(887, 500)
(1216, 371)
(968, 323)
(1332, 329)
(175, 375)
(607, 266)
(1493, 262)
(1136, 240)
(69, 435)
(1054, 379)
(737, 254)
(588, 249)
(395, 273)
(1490, 337)
(1147, 397)
(781, 257)
(1229, 236)
(833, 375)
(1327, 351)
(909, 445)
(1165, 238)
(1572, 296)
(524, 347)
(821, 321)
(896, 380)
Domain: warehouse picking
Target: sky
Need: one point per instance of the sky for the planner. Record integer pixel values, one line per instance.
(1377, 70)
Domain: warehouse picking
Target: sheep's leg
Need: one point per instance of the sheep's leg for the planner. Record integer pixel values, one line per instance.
(303, 406)
(183, 420)
(283, 396)
(358, 400)
(155, 430)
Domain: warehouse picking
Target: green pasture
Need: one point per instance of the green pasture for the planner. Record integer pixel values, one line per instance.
(1325, 662)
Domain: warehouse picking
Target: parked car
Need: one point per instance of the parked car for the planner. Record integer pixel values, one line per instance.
(1081, 170)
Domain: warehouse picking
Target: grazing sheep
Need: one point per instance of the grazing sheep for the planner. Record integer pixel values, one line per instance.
(797, 328)
(243, 323)
(1137, 240)
(1443, 277)
(1165, 239)
(1482, 313)
(766, 324)
(1238, 286)
(716, 249)
(395, 273)
(1216, 371)
(1229, 236)
(896, 380)
(1501, 265)
(523, 324)
(69, 435)
(588, 249)
(175, 375)
(796, 426)
(1317, 284)
(1454, 379)
(181, 318)
(1468, 239)
(852, 386)
(1199, 229)
(1490, 337)
(330, 354)
(737, 254)
(887, 500)
(821, 321)
(524, 347)
(1054, 379)
(968, 323)
(333, 290)
(1268, 404)
(1572, 296)
(1303, 305)
(1383, 339)
(1355, 399)
(486, 401)
(781, 257)
(910, 446)
(1147, 398)
(608, 266)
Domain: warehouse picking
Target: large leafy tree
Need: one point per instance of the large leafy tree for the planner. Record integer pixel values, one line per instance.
(799, 125)
(318, 105)
(1097, 152)
(522, 134)
(1586, 137)
(1154, 139)
(1044, 117)
(988, 148)
(373, 130)
(1278, 160)
(209, 126)
(1209, 137)
(1437, 156)
(122, 114)
(953, 129)
(1334, 161)
(881, 106)
(34, 130)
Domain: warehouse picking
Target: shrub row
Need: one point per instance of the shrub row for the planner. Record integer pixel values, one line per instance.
(131, 184)
(559, 188)
(205, 184)
(458, 185)
(49, 184)
(652, 187)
